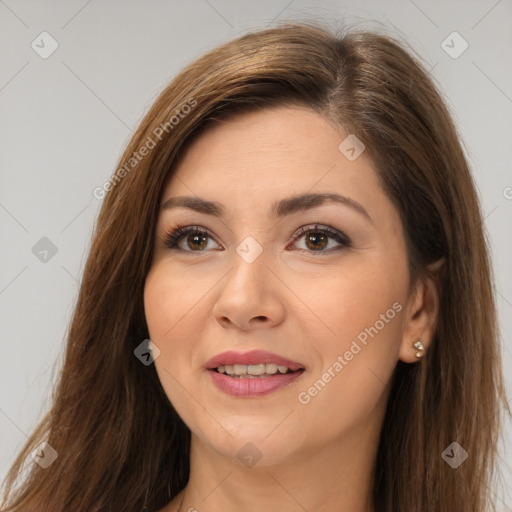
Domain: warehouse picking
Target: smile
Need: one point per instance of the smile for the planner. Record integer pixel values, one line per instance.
(253, 370)
(252, 374)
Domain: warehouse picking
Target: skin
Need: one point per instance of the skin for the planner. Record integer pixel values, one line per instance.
(291, 301)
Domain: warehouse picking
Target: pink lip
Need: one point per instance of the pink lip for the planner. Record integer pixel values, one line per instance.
(244, 387)
(251, 357)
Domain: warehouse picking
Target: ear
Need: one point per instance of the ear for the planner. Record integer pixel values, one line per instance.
(421, 313)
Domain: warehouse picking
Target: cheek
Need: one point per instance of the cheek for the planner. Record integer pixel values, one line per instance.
(359, 310)
(175, 310)
(167, 306)
(168, 300)
(352, 297)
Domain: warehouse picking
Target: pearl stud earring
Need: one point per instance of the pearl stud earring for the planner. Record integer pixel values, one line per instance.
(418, 345)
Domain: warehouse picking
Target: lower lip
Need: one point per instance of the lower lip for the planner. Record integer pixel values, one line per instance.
(258, 386)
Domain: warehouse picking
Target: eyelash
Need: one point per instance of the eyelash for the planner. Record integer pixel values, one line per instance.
(172, 238)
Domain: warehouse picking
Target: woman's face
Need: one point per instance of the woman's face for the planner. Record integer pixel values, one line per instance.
(334, 300)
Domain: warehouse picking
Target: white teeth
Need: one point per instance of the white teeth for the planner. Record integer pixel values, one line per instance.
(256, 369)
(272, 368)
(240, 369)
(252, 370)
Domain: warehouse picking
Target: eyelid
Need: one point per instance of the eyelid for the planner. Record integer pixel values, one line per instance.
(174, 236)
(338, 235)
(171, 238)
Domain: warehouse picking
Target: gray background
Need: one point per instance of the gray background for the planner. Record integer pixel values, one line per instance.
(66, 119)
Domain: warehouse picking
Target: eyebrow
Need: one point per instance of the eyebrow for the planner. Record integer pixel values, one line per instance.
(278, 209)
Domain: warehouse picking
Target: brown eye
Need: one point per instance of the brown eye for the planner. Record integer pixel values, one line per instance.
(195, 239)
(316, 241)
(317, 238)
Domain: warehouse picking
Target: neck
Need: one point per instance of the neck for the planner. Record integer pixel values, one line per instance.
(336, 478)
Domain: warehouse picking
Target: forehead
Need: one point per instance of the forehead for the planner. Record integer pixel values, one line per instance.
(256, 158)
(271, 136)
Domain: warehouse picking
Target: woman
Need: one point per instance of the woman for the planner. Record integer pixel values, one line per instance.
(364, 378)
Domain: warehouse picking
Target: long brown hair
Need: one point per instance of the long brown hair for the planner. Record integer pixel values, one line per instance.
(120, 444)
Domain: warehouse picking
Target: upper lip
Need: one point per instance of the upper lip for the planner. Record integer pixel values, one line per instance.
(252, 357)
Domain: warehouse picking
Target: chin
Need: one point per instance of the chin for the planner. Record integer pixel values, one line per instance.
(251, 440)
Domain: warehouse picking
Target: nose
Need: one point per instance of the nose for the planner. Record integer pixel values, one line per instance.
(250, 297)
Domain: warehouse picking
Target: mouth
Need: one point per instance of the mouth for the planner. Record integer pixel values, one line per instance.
(252, 373)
